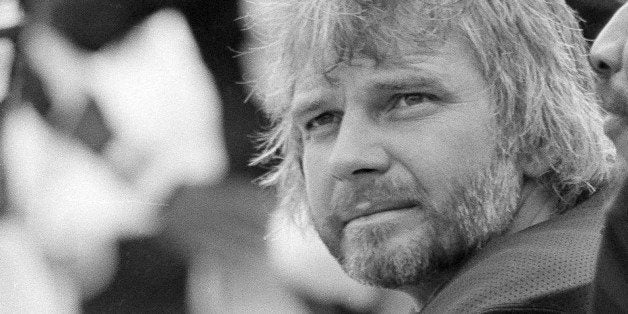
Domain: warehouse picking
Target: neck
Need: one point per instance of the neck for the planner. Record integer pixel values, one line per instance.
(536, 205)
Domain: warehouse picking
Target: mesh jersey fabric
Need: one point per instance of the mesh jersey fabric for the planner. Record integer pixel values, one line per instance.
(547, 268)
(610, 288)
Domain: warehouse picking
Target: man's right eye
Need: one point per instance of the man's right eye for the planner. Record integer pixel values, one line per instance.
(323, 122)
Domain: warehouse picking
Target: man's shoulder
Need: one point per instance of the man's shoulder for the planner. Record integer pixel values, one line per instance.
(546, 268)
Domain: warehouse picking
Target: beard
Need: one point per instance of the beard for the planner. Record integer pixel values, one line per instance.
(434, 239)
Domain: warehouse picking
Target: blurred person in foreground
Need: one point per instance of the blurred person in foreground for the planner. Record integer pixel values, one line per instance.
(453, 150)
(609, 57)
(94, 144)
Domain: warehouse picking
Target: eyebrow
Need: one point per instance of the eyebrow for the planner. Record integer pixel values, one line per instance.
(405, 82)
(306, 103)
(310, 101)
(401, 85)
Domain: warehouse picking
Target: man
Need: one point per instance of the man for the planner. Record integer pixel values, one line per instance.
(448, 149)
(608, 57)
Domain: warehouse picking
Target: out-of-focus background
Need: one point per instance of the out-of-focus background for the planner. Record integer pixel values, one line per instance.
(125, 187)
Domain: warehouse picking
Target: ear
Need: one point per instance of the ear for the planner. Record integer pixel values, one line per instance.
(535, 167)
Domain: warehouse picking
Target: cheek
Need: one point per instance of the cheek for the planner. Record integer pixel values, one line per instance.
(621, 143)
(446, 152)
(470, 149)
(470, 140)
(428, 166)
(319, 187)
(318, 184)
(314, 167)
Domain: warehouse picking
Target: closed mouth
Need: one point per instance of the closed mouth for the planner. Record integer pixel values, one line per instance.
(381, 208)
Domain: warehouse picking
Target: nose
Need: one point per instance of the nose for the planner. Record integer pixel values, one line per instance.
(358, 151)
(607, 53)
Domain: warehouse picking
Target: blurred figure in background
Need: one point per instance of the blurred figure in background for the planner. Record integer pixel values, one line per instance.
(113, 116)
(27, 283)
(94, 144)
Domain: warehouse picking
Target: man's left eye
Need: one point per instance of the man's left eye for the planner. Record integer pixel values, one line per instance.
(409, 100)
(414, 105)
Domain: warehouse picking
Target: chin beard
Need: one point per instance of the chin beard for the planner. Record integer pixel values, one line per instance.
(371, 258)
(479, 208)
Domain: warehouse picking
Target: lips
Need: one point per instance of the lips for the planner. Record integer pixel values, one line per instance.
(368, 208)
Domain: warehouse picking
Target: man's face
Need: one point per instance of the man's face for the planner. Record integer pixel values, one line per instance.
(399, 162)
(609, 57)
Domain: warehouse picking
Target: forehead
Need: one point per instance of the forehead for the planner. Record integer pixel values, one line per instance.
(314, 35)
(437, 63)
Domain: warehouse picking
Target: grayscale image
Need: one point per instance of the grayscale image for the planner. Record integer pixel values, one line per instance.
(313, 156)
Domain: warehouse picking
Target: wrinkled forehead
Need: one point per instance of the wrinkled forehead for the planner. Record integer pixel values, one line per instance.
(330, 33)
(315, 78)
(434, 67)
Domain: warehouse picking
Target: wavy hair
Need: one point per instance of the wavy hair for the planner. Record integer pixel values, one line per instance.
(531, 52)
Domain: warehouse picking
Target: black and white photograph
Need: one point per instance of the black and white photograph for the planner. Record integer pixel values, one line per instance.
(313, 156)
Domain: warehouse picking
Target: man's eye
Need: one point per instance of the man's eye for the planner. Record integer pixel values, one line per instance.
(323, 119)
(409, 100)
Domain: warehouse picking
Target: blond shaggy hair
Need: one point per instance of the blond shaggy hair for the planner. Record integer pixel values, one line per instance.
(531, 52)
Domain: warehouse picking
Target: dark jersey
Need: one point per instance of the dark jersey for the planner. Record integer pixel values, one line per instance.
(610, 290)
(546, 268)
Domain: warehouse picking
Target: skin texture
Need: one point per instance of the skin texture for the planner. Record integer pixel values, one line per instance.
(608, 57)
(403, 149)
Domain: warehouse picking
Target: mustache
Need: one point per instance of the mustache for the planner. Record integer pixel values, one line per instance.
(614, 98)
(379, 192)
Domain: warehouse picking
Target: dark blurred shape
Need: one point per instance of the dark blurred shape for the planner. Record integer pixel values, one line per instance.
(10, 32)
(94, 23)
(595, 14)
(150, 279)
(30, 88)
(91, 129)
